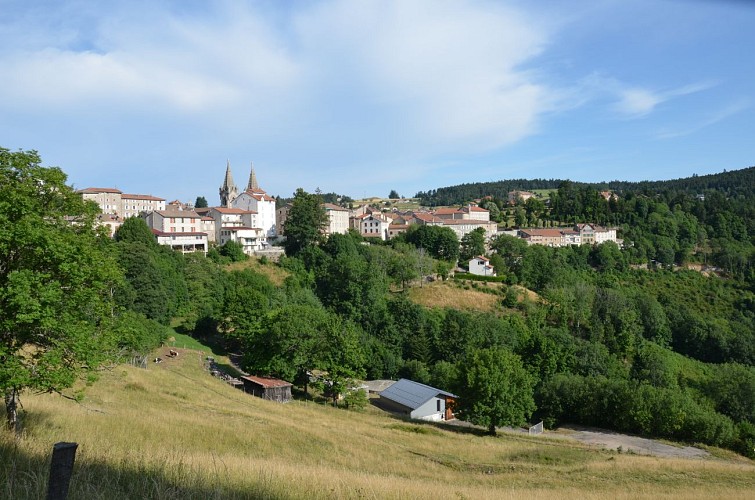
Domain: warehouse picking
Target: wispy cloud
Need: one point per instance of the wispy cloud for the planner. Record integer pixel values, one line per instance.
(636, 102)
(711, 119)
(627, 100)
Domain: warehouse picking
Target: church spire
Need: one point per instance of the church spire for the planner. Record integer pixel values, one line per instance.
(252, 186)
(228, 191)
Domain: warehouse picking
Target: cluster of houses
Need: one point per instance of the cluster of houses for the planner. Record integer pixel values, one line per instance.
(251, 219)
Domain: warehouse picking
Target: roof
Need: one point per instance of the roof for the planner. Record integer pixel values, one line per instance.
(98, 190)
(447, 211)
(266, 382)
(147, 197)
(412, 394)
(475, 208)
(331, 206)
(481, 257)
(224, 210)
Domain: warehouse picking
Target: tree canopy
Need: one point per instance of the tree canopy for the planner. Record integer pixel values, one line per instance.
(305, 221)
(496, 389)
(56, 280)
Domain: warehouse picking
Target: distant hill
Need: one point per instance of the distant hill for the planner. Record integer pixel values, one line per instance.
(735, 182)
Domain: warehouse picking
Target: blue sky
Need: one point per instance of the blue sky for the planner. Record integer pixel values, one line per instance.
(361, 97)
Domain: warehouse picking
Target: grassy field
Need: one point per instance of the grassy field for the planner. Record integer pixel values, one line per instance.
(172, 431)
(451, 294)
(274, 273)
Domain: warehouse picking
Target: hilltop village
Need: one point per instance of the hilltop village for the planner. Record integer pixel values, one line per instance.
(257, 221)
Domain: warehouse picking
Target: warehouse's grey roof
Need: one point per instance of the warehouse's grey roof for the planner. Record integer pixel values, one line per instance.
(412, 394)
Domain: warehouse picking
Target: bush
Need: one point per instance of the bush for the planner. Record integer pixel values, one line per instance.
(356, 399)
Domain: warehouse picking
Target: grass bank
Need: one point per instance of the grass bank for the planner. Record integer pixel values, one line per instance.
(173, 431)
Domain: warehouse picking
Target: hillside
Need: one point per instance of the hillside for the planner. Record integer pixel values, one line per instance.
(172, 431)
(735, 182)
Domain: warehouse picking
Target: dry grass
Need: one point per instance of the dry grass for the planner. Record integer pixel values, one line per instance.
(449, 294)
(172, 431)
(274, 273)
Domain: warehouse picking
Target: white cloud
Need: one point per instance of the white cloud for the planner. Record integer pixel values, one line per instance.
(429, 74)
(637, 102)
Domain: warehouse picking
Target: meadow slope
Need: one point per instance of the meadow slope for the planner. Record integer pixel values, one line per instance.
(173, 431)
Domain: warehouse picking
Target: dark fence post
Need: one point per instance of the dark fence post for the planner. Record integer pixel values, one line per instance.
(61, 468)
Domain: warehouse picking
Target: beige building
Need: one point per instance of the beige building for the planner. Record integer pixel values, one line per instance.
(580, 234)
(108, 199)
(338, 219)
(174, 221)
(114, 201)
(134, 204)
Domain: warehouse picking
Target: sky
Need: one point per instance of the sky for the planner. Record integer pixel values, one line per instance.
(360, 97)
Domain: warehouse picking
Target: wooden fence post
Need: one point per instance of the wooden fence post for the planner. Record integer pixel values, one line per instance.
(61, 468)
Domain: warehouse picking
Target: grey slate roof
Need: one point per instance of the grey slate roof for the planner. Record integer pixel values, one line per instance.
(412, 394)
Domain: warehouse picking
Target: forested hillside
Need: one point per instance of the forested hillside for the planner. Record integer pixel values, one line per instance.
(599, 340)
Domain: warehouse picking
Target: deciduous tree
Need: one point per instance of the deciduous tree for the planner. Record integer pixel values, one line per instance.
(305, 222)
(56, 281)
(496, 389)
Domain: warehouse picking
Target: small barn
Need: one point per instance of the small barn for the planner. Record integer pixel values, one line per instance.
(418, 401)
(267, 388)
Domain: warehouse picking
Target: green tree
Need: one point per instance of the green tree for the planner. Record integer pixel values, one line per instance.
(394, 195)
(134, 229)
(472, 244)
(234, 251)
(201, 202)
(496, 389)
(56, 281)
(440, 242)
(305, 222)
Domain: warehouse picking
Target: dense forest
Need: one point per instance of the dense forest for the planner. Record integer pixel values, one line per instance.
(618, 338)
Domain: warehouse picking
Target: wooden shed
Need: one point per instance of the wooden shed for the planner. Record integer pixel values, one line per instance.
(267, 388)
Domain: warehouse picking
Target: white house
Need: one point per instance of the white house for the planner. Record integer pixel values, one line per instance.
(374, 225)
(338, 219)
(418, 401)
(251, 239)
(264, 205)
(481, 266)
(183, 242)
(231, 217)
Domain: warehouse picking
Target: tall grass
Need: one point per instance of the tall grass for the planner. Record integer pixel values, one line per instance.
(172, 431)
(447, 294)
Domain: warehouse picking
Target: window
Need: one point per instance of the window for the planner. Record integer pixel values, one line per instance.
(438, 402)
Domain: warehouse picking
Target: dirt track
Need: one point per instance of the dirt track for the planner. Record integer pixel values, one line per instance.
(633, 444)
